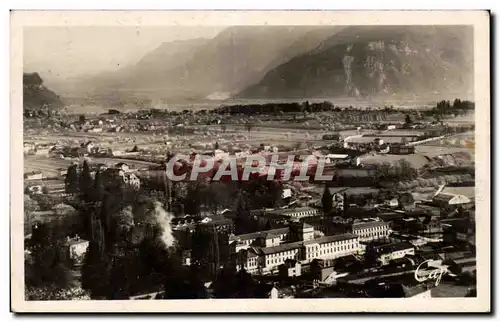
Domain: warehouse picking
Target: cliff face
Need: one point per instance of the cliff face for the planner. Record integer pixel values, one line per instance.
(36, 95)
(371, 61)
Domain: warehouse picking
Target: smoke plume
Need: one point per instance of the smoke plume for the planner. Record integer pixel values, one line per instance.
(164, 219)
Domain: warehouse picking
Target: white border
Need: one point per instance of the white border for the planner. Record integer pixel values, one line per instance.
(480, 20)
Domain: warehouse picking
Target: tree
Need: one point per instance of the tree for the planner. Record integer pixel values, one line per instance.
(30, 206)
(249, 126)
(71, 181)
(327, 200)
(45, 202)
(124, 220)
(406, 199)
(135, 149)
(86, 182)
(371, 256)
(96, 271)
(242, 221)
(98, 187)
(192, 202)
(48, 263)
(408, 119)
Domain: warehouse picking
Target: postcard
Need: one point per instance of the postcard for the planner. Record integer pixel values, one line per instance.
(250, 161)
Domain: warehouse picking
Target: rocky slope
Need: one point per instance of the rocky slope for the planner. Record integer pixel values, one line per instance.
(371, 61)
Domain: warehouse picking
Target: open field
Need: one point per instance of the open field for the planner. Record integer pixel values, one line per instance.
(417, 161)
(49, 166)
(434, 150)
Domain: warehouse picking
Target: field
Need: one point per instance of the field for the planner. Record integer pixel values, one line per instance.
(416, 160)
(49, 166)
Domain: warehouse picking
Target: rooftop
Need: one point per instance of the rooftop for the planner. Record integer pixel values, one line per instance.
(394, 247)
(368, 224)
(257, 234)
(329, 239)
(443, 197)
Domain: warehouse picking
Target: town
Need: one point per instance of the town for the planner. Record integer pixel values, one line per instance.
(103, 220)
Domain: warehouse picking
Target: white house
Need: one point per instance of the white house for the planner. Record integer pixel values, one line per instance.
(287, 193)
(77, 248)
(371, 230)
(34, 175)
(394, 251)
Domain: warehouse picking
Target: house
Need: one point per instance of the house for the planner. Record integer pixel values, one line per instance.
(325, 274)
(401, 149)
(34, 175)
(248, 259)
(388, 253)
(459, 230)
(274, 294)
(186, 257)
(89, 146)
(291, 268)
(287, 193)
(371, 230)
(122, 166)
(445, 200)
(77, 248)
(392, 203)
(266, 238)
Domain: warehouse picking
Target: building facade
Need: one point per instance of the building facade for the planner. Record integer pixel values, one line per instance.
(371, 230)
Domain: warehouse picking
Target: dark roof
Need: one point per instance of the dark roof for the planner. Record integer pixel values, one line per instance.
(266, 233)
(394, 247)
(281, 248)
(443, 197)
(353, 190)
(369, 224)
(329, 239)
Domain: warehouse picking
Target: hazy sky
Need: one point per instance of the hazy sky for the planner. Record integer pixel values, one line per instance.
(61, 52)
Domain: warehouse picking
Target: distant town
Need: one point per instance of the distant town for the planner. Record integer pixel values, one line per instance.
(103, 220)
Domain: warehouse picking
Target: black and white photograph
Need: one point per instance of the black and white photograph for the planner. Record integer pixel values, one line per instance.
(279, 159)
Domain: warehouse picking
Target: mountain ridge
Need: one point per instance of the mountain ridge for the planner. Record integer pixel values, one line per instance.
(367, 60)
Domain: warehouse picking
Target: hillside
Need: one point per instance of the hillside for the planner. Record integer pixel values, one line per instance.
(236, 58)
(362, 61)
(36, 96)
(151, 70)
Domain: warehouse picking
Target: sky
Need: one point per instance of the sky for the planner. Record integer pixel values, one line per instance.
(59, 53)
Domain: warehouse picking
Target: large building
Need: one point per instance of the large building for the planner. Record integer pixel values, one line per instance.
(297, 212)
(371, 230)
(264, 252)
(268, 238)
(445, 200)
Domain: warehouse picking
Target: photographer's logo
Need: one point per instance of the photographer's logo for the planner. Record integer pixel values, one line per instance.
(431, 272)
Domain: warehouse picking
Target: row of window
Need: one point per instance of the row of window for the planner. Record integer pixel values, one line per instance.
(331, 250)
(328, 245)
(304, 213)
(375, 234)
(366, 230)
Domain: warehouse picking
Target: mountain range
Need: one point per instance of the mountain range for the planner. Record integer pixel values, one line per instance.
(300, 62)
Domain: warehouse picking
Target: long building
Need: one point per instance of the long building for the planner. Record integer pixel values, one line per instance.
(275, 247)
